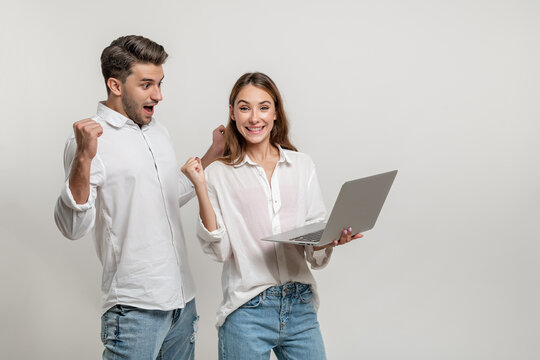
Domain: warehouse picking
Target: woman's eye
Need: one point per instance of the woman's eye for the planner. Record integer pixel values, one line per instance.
(244, 108)
(264, 108)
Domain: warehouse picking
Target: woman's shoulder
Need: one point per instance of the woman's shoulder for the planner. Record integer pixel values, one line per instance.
(216, 169)
(216, 166)
(298, 157)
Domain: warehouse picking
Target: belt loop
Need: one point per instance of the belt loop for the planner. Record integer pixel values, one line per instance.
(263, 295)
(297, 292)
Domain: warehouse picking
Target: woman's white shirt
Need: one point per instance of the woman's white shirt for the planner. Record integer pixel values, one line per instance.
(249, 208)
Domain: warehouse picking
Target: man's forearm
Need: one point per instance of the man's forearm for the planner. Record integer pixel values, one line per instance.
(79, 179)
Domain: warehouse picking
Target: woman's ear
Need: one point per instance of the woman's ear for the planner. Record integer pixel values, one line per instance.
(231, 113)
(115, 86)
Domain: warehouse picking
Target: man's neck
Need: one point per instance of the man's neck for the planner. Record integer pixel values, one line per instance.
(115, 103)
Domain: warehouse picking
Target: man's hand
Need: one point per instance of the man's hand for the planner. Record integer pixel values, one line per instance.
(87, 132)
(218, 139)
(216, 149)
(346, 237)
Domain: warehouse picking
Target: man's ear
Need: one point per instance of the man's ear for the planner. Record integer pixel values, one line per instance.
(115, 86)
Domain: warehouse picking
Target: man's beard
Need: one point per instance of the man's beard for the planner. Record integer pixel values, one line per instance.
(130, 107)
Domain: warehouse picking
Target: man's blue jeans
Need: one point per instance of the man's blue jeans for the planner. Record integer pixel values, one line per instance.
(132, 333)
(281, 319)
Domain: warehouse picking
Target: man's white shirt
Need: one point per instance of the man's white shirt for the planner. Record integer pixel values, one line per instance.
(134, 206)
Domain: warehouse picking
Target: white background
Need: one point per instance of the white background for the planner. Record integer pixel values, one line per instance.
(447, 92)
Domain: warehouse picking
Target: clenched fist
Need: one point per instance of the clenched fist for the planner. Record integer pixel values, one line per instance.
(87, 132)
(193, 169)
(218, 140)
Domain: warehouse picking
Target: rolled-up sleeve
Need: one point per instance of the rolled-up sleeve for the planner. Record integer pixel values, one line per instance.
(214, 243)
(186, 190)
(72, 219)
(319, 258)
(316, 212)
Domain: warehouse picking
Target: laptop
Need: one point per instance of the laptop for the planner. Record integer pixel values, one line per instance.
(358, 206)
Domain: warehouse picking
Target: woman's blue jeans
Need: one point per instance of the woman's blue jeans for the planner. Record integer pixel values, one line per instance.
(132, 333)
(282, 319)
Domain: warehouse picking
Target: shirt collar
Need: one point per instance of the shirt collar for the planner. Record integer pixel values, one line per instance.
(114, 118)
(283, 158)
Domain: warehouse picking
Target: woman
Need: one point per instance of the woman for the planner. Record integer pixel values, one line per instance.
(261, 186)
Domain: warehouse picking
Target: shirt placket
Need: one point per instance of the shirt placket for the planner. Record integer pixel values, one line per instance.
(148, 143)
(273, 195)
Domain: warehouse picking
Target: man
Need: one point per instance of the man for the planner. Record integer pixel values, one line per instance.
(123, 181)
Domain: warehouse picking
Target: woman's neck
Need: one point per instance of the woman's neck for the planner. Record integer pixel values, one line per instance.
(261, 153)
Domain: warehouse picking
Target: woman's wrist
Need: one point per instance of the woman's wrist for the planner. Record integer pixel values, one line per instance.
(201, 191)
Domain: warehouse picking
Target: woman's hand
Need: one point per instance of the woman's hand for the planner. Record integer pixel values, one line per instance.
(346, 237)
(193, 169)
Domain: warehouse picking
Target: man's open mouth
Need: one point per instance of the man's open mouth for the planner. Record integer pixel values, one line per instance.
(149, 109)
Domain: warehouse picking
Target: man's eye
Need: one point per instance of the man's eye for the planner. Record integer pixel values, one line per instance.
(146, 86)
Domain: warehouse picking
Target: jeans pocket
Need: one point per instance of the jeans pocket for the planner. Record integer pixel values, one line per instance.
(195, 324)
(306, 295)
(253, 303)
(104, 319)
(124, 309)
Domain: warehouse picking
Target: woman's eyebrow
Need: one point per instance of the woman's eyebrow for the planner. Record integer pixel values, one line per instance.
(247, 102)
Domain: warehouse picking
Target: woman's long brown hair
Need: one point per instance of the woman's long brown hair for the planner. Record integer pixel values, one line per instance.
(235, 144)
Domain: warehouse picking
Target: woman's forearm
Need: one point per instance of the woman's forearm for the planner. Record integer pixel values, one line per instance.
(206, 211)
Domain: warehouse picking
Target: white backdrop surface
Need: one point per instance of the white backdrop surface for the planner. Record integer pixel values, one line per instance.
(444, 91)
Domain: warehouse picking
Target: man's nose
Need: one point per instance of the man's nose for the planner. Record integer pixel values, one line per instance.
(156, 94)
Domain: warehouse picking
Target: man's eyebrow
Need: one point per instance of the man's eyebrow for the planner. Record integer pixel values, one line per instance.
(150, 80)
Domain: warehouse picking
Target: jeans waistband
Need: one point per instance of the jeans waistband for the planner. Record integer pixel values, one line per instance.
(286, 289)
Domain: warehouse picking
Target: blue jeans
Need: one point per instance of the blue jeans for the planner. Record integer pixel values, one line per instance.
(132, 333)
(282, 319)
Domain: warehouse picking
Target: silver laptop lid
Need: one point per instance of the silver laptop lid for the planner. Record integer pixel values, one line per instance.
(358, 205)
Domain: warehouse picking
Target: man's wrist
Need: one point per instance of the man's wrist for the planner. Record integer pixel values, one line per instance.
(82, 159)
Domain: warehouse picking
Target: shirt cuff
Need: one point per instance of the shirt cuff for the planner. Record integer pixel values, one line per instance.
(68, 200)
(211, 236)
(185, 197)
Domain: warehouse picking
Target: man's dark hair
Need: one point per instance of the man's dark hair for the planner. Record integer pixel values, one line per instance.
(118, 58)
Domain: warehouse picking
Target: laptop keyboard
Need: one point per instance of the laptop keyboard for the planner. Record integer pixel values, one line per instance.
(310, 238)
